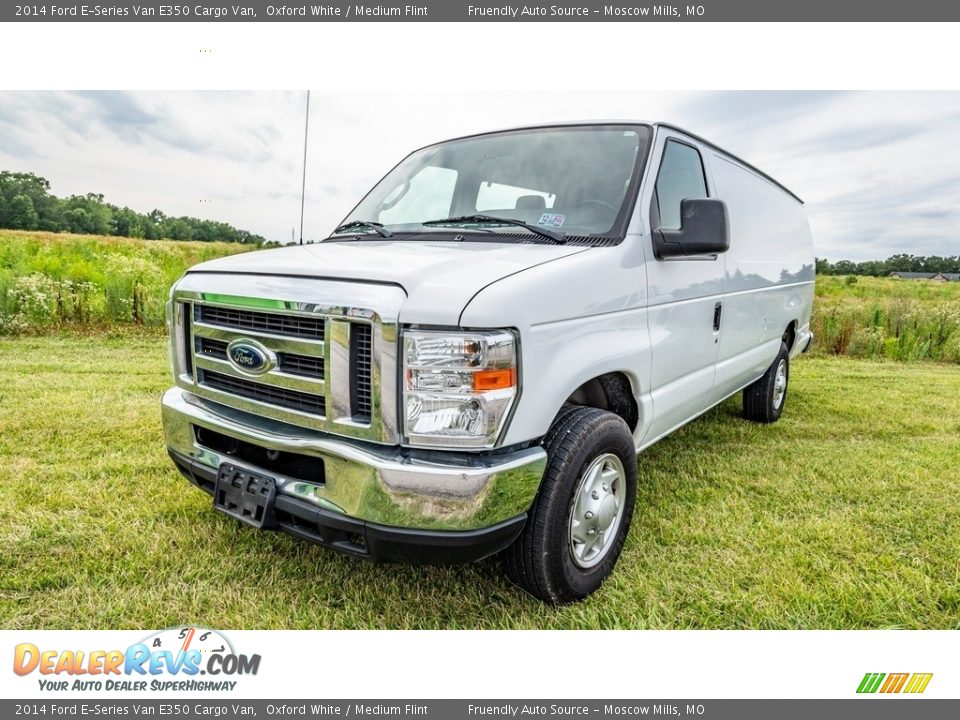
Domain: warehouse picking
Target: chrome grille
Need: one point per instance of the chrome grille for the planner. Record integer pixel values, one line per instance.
(324, 361)
(212, 348)
(293, 388)
(300, 365)
(361, 371)
(257, 321)
(292, 399)
(290, 363)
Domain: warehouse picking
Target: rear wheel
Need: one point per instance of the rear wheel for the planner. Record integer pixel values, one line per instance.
(763, 401)
(579, 521)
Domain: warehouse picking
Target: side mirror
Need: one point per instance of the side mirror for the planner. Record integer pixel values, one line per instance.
(704, 230)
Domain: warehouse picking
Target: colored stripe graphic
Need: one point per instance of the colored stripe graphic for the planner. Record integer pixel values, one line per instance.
(918, 683)
(894, 683)
(870, 682)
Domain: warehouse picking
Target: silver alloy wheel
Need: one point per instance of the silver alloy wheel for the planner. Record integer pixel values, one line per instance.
(780, 384)
(597, 510)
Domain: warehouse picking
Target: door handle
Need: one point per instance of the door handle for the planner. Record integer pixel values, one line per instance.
(717, 311)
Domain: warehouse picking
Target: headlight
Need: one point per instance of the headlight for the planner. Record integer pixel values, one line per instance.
(458, 387)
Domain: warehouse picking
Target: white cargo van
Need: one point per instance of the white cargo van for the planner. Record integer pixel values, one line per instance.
(472, 360)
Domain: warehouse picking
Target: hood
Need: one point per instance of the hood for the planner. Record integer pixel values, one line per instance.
(439, 278)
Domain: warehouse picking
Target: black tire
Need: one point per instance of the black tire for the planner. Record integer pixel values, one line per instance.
(760, 399)
(541, 561)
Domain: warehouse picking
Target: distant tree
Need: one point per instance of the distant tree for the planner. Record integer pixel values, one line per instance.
(177, 229)
(88, 214)
(844, 267)
(77, 220)
(35, 208)
(127, 223)
(905, 263)
(901, 262)
(23, 216)
(33, 186)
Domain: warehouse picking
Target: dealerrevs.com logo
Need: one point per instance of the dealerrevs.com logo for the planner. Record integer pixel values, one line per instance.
(178, 659)
(891, 683)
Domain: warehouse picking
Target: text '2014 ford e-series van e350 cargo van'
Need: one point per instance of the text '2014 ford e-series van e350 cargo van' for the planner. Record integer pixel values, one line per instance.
(472, 360)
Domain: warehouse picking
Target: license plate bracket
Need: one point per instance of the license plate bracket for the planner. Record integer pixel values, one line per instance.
(245, 496)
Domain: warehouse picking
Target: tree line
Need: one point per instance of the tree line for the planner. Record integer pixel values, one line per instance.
(895, 263)
(26, 203)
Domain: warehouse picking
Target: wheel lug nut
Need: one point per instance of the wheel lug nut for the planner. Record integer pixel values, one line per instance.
(592, 531)
(605, 488)
(595, 495)
(588, 515)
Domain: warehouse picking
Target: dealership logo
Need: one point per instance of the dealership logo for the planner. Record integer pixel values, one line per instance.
(912, 683)
(172, 659)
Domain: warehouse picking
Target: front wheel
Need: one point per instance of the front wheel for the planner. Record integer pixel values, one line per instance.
(579, 521)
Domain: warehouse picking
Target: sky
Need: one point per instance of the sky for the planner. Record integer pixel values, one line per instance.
(879, 171)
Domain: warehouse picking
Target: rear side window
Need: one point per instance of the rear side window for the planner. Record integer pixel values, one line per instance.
(681, 177)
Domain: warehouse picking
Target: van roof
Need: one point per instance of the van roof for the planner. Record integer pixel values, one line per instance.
(669, 126)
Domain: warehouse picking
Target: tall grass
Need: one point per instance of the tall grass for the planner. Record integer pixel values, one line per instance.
(51, 281)
(887, 318)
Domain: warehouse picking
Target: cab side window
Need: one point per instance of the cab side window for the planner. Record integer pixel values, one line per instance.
(681, 177)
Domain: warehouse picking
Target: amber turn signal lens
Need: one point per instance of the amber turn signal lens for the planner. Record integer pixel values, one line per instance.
(494, 379)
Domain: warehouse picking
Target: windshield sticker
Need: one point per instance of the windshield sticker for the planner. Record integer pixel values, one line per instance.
(552, 220)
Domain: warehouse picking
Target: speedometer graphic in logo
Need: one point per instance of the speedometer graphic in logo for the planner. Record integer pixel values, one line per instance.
(189, 651)
(184, 639)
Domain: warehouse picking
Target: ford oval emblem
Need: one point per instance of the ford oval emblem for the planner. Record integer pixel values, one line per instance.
(250, 357)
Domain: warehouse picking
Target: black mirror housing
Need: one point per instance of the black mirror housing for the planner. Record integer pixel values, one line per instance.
(704, 230)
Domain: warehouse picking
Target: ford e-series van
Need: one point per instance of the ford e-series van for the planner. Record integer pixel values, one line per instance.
(472, 360)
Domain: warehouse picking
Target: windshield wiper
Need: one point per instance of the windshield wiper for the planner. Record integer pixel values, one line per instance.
(359, 224)
(555, 236)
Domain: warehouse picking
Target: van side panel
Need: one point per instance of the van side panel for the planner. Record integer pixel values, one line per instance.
(769, 274)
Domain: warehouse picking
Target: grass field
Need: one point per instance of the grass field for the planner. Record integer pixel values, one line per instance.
(887, 318)
(52, 280)
(82, 283)
(842, 515)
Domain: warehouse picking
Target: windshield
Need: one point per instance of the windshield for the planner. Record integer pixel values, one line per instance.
(577, 180)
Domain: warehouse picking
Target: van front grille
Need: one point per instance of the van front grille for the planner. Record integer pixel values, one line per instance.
(212, 348)
(300, 365)
(255, 321)
(271, 394)
(361, 382)
(291, 363)
(323, 369)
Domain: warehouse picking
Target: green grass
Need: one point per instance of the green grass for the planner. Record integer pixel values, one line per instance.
(881, 288)
(887, 318)
(82, 283)
(842, 515)
(49, 281)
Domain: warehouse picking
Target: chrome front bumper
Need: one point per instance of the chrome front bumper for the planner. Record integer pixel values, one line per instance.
(382, 485)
